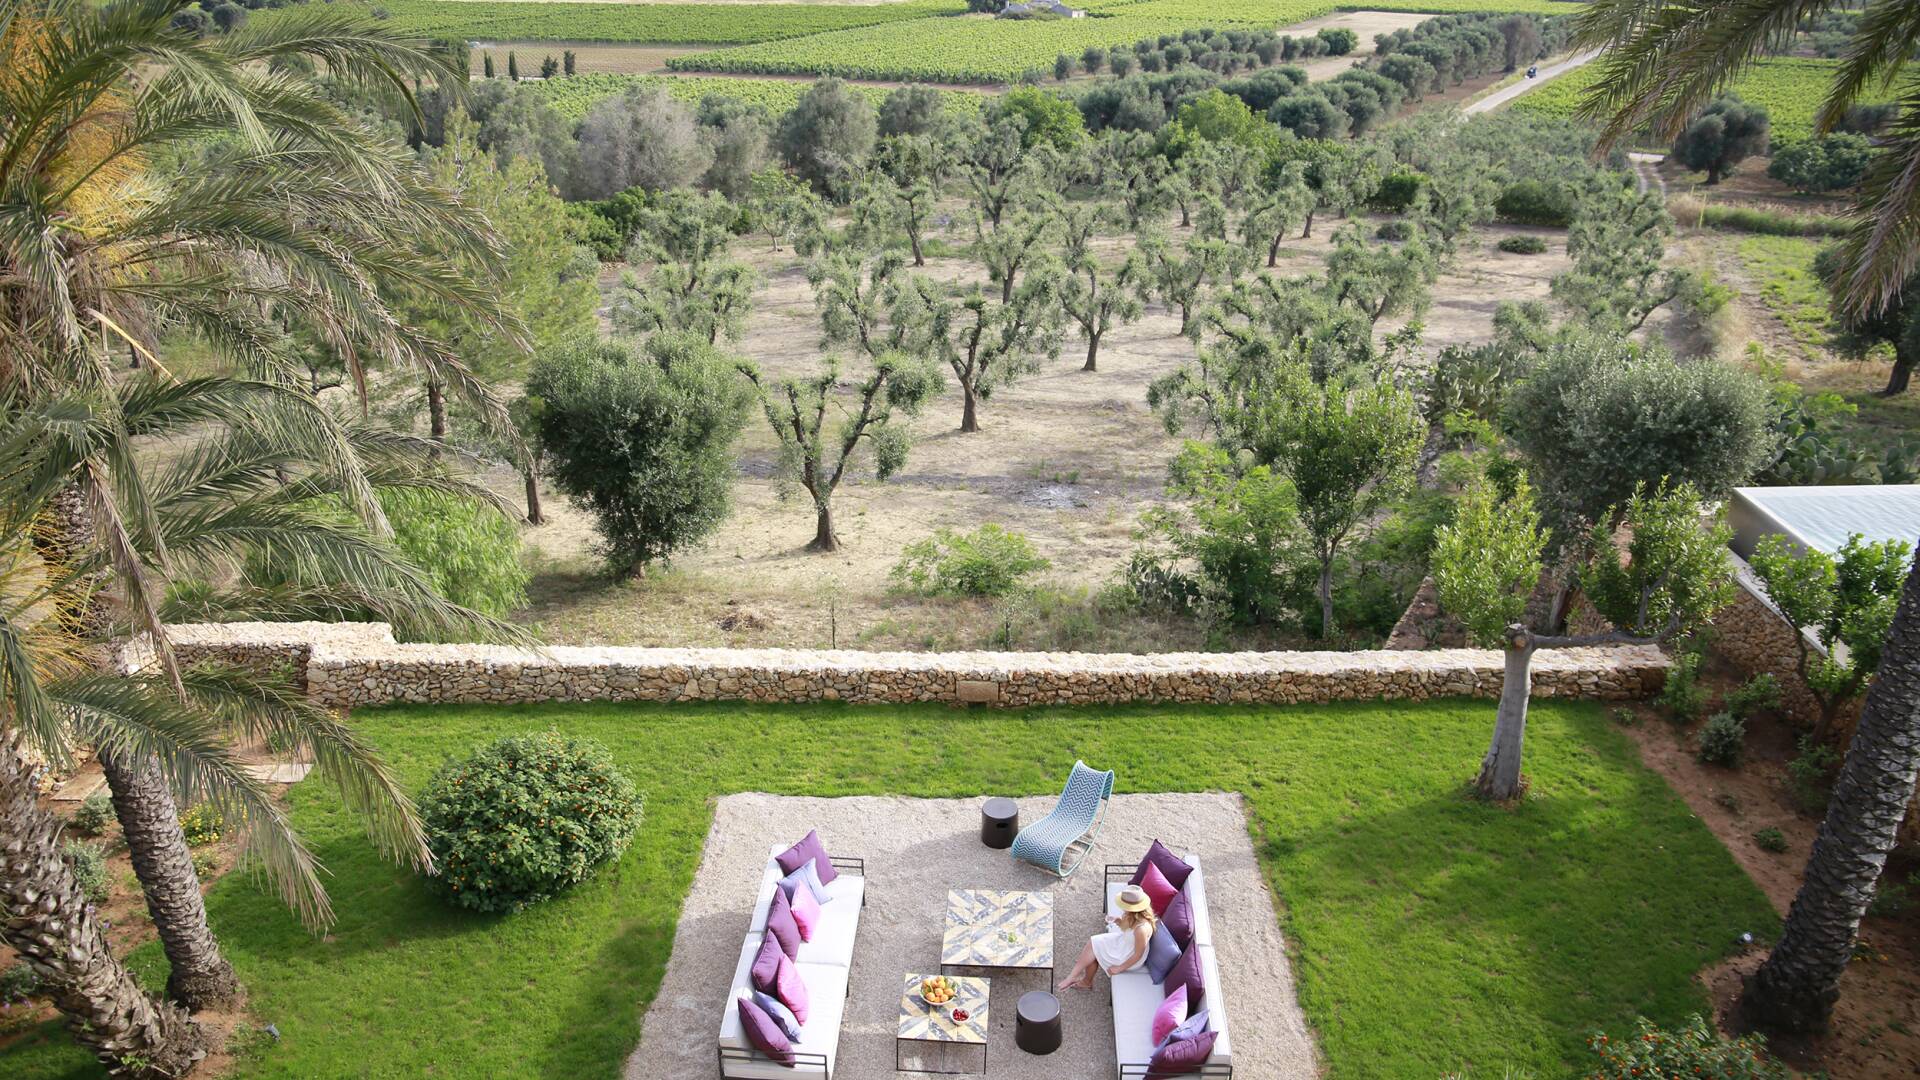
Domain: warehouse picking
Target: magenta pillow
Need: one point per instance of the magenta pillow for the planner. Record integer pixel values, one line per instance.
(1181, 1058)
(1171, 1014)
(1186, 973)
(763, 1033)
(790, 990)
(1178, 919)
(781, 927)
(1158, 890)
(766, 964)
(808, 848)
(806, 912)
(1172, 867)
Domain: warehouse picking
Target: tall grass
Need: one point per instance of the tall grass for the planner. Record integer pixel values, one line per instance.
(1694, 212)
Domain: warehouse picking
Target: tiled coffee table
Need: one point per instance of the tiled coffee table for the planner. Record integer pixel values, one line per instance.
(999, 928)
(923, 1023)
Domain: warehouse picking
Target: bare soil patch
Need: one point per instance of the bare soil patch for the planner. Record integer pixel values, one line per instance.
(588, 55)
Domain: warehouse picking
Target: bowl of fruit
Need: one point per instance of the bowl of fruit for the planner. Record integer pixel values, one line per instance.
(938, 991)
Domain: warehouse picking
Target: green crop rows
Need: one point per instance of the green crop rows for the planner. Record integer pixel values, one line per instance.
(572, 97)
(1790, 88)
(693, 24)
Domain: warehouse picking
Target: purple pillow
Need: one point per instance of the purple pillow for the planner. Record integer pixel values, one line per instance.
(809, 877)
(763, 1033)
(1162, 954)
(1186, 972)
(1178, 920)
(781, 926)
(1191, 1029)
(790, 990)
(766, 964)
(790, 1023)
(1182, 1057)
(1172, 867)
(809, 848)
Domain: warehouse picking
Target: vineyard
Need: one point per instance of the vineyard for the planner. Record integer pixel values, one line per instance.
(573, 96)
(692, 24)
(1790, 88)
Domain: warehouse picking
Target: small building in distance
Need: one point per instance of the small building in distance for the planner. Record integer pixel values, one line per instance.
(1041, 7)
(1822, 517)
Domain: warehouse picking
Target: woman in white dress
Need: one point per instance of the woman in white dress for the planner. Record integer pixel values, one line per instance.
(1122, 948)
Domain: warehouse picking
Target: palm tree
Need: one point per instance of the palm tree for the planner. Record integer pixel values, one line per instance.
(1796, 988)
(287, 213)
(1664, 62)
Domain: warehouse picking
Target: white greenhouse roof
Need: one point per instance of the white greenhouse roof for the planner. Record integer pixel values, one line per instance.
(1823, 517)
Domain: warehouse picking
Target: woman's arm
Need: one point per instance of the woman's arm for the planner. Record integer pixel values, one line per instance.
(1140, 941)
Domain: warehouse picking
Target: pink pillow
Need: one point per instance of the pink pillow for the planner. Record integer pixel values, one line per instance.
(1171, 1014)
(806, 912)
(781, 925)
(790, 990)
(1158, 890)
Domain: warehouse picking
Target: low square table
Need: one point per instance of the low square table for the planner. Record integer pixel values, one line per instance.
(920, 1022)
(999, 928)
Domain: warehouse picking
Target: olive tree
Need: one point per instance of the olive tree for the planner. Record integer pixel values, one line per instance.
(1847, 601)
(898, 190)
(640, 437)
(692, 286)
(855, 297)
(986, 342)
(1618, 240)
(1672, 576)
(1726, 132)
(1095, 295)
(642, 138)
(1180, 275)
(827, 135)
(1281, 201)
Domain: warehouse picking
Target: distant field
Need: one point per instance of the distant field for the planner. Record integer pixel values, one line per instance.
(573, 97)
(1791, 88)
(666, 23)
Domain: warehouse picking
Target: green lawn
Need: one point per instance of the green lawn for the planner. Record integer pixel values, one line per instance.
(1431, 933)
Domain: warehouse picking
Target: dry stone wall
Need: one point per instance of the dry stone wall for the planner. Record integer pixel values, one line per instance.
(1753, 636)
(364, 666)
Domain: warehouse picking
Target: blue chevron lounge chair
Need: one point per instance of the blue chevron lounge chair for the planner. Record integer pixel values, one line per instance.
(1059, 841)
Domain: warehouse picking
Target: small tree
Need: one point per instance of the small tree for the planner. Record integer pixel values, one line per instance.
(855, 300)
(1725, 133)
(985, 342)
(1618, 240)
(486, 64)
(913, 110)
(549, 67)
(1281, 201)
(513, 66)
(1828, 163)
(1672, 577)
(1062, 67)
(1341, 175)
(1847, 602)
(1180, 276)
(1488, 559)
(899, 188)
(1013, 246)
(640, 438)
(827, 135)
(643, 138)
(1093, 59)
(692, 286)
(567, 62)
(784, 206)
(469, 550)
(1095, 296)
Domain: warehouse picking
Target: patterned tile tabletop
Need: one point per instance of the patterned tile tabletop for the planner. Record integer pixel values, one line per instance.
(998, 928)
(926, 1023)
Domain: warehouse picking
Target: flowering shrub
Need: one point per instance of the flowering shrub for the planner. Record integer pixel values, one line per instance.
(1693, 1050)
(201, 824)
(526, 818)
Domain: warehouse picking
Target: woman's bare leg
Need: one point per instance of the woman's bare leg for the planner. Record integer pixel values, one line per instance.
(1082, 975)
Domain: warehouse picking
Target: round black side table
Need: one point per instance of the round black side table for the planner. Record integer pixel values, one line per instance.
(1037, 1028)
(999, 820)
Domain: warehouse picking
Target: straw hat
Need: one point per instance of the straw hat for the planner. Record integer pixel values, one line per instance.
(1134, 898)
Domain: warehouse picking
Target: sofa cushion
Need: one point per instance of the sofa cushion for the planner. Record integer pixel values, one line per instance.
(1172, 867)
(790, 988)
(806, 875)
(827, 991)
(1180, 1058)
(762, 1032)
(1135, 999)
(1160, 892)
(766, 965)
(1187, 972)
(1178, 918)
(782, 1015)
(1193, 1025)
(781, 927)
(1161, 955)
(806, 910)
(1171, 1014)
(808, 847)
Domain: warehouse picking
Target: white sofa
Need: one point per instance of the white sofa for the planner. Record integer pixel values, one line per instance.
(825, 964)
(1135, 997)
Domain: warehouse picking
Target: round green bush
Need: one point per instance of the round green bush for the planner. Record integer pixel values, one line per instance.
(1522, 245)
(1394, 230)
(1535, 202)
(525, 819)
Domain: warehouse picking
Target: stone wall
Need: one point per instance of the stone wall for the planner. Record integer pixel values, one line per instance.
(364, 667)
(1752, 635)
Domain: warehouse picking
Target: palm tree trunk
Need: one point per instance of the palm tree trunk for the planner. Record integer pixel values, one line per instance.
(1796, 988)
(200, 978)
(46, 919)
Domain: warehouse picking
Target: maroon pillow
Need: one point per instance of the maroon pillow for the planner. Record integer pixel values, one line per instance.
(781, 925)
(1178, 919)
(809, 848)
(1181, 1058)
(1172, 867)
(764, 1033)
(1186, 972)
(766, 964)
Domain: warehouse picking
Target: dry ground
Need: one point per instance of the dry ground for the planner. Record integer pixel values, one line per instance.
(588, 55)
(1071, 459)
